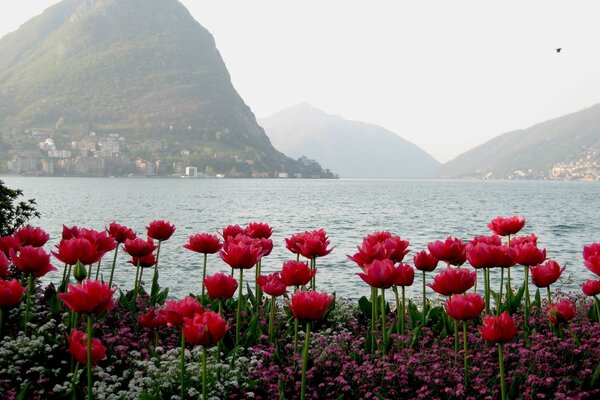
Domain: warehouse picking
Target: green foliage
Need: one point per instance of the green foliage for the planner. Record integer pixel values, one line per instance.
(13, 214)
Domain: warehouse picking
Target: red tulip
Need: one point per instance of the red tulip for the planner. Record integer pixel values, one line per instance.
(315, 244)
(204, 329)
(232, 231)
(424, 261)
(77, 249)
(396, 248)
(11, 293)
(453, 281)
(483, 255)
(380, 246)
(153, 319)
(380, 274)
(70, 233)
(464, 307)
(30, 236)
(205, 243)
(89, 297)
(490, 240)
(120, 232)
(591, 257)
(405, 275)
(4, 266)
(32, 260)
(309, 306)
(544, 275)
(498, 329)
(293, 243)
(296, 273)
(258, 230)
(160, 230)
(529, 254)
(241, 251)
(9, 242)
(272, 284)
(517, 241)
(103, 240)
(220, 286)
(267, 246)
(78, 347)
(591, 288)
(563, 311)
(176, 311)
(144, 262)
(504, 226)
(139, 247)
(452, 251)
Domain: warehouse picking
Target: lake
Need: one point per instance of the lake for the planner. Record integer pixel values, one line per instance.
(564, 215)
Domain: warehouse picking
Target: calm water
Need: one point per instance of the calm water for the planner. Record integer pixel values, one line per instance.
(565, 216)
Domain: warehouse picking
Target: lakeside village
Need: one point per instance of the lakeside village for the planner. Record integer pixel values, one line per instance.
(113, 155)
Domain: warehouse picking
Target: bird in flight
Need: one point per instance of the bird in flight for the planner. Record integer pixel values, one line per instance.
(558, 50)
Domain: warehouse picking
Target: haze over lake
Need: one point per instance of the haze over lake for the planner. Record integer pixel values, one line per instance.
(564, 215)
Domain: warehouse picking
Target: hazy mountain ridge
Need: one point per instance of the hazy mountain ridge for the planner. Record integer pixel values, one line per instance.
(567, 147)
(351, 148)
(144, 69)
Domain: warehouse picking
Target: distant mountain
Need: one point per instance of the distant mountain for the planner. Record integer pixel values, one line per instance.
(350, 148)
(144, 69)
(567, 147)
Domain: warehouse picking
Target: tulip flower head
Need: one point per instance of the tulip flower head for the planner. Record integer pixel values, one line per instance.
(380, 274)
(293, 243)
(424, 261)
(505, 226)
(309, 306)
(529, 254)
(220, 286)
(463, 307)
(78, 347)
(204, 329)
(77, 249)
(30, 236)
(498, 329)
(11, 293)
(451, 251)
(232, 231)
(103, 240)
(453, 281)
(204, 243)
(591, 257)
(70, 233)
(160, 230)
(177, 310)
(380, 246)
(120, 232)
(139, 247)
(241, 251)
(296, 273)
(88, 297)
(272, 284)
(32, 260)
(483, 255)
(153, 319)
(563, 311)
(519, 240)
(144, 262)
(544, 275)
(9, 242)
(314, 244)
(405, 275)
(591, 288)
(266, 245)
(490, 240)
(258, 230)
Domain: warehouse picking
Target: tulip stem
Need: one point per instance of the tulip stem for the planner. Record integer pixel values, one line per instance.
(203, 372)
(486, 285)
(204, 275)
(182, 365)
(97, 269)
(549, 295)
(112, 270)
(295, 335)
(135, 283)
(424, 299)
(63, 285)
(464, 324)
(305, 362)
(313, 265)
(272, 317)
(527, 299)
(476, 277)
(257, 289)
(239, 309)
(501, 287)
(155, 277)
(89, 357)
(403, 313)
(597, 302)
(73, 382)
(395, 289)
(28, 301)
(501, 361)
(373, 316)
(383, 327)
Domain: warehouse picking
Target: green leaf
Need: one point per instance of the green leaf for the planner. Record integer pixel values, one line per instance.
(364, 305)
(414, 314)
(23, 392)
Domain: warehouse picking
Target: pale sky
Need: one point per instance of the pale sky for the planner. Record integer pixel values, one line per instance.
(445, 75)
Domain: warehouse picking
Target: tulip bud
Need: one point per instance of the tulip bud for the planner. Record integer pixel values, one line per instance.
(79, 273)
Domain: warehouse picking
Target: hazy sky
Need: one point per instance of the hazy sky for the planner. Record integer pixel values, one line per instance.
(446, 75)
